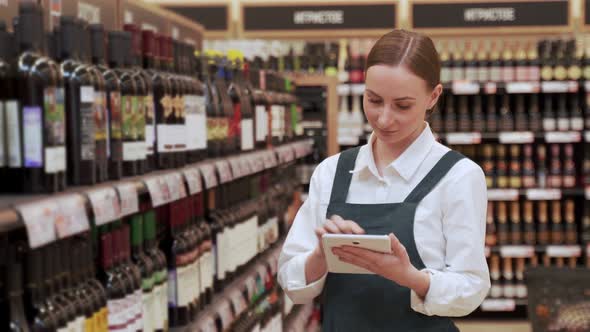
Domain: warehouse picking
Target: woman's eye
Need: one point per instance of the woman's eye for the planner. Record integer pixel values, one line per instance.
(404, 107)
(374, 101)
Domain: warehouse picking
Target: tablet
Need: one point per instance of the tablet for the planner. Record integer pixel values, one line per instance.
(379, 243)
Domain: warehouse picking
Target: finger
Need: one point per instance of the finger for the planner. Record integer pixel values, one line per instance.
(354, 260)
(397, 247)
(356, 229)
(330, 227)
(345, 226)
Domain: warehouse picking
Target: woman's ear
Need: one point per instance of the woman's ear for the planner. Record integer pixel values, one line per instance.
(436, 93)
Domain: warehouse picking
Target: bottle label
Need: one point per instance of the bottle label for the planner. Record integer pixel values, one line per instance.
(87, 128)
(563, 124)
(577, 124)
(150, 120)
(32, 134)
(234, 125)
(116, 318)
(196, 125)
(534, 73)
(140, 127)
(508, 74)
(172, 288)
(483, 74)
(113, 113)
(211, 124)
(549, 124)
(55, 152)
(261, 123)
(276, 116)
(496, 74)
(100, 116)
(138, 312)
(547, 73)
(471, 73)
(522, 73)
(445, 75)
(162, 277)
(127, 128)
(13, 134)
(247, 134)
(147, 299)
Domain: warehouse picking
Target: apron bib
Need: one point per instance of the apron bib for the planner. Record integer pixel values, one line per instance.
(355, 302)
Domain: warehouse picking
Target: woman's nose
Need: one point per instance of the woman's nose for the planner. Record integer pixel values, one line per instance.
(386, 117)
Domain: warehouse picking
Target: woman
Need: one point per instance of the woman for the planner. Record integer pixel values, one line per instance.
(430, 200)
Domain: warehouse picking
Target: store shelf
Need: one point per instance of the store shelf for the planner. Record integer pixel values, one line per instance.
(526, 251)
(502, 305)
(535, 194)
(109, 201)
(221, 299)
(513, 137)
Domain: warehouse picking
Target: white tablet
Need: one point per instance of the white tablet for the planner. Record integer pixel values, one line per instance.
(380, 243)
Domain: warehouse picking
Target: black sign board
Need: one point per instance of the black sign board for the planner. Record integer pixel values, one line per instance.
(490, 14)
(319, 17)
(213, 18)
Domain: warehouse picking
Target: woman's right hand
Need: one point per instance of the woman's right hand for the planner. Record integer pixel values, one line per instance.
(315, 266)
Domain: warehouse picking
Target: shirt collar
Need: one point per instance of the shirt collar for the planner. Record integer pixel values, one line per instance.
(406, 164)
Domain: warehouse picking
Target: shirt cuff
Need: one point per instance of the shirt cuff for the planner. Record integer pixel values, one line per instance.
(297, 288)
(423, 306)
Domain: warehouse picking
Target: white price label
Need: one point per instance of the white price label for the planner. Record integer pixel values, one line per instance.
(516, 137)
(502, 194)
(357, 89)
(223, 170)
(522, 87)
(72, 218)
(343, 89)
(487, 251)
(498, 305)
(563, 137)
(245, 165)
(289, 153)
(175, 186)
(208, 172)
(128, 197)
(39, 218)
(251, 287)
(158, 189)
(105, 204)
(543, 194)
(237, 301)
(193, 179)
(564, 251)
(272, 158)
(225, 314)
(465, 88)
(559, 87)
(463, 138)
(587, 136)
(517, 251)
(236, 168)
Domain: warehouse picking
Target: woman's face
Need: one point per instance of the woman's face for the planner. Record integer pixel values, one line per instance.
(395, 102)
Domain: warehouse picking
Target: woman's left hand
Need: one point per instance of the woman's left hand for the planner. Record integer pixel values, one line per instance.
(395, 266)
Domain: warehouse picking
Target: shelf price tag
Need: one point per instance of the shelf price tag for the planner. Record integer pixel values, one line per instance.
(502, 194)
(175, 186)
(105, 204)
(39, 218)
(357, 89)
(193, 179)
(587, 136)
(208, 172)
(236, 168)
(559, 87)
(522, 87)
(225, 314)
(490, 88)
(487, 251)
(237, 301)
(343, 89)
(465, 88)
(128, 197)
(158, 189)
(251, 287)
(463, 138)
(498, 305)
(245, 165)
(543, 194)
(517, 251)
(516, 137)
(563, 137)
(564, 251)
(224, 171)
(71, 218)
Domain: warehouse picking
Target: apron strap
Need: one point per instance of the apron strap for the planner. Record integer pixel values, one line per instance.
(442, 167)
(346, 162)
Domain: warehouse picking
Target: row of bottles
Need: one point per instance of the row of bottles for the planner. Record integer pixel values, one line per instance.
(510, 112)
(526, 166)
(513, 61)
(82, 105)
(532, 223)
(507, 274)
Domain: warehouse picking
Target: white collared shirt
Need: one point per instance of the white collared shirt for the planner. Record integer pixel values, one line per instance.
(449, 225)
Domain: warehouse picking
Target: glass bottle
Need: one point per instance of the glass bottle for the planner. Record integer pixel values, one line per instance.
(569, 167)
(506, 117)
(491, 115)
(515, 177)
(450, 115)
(528, 168)
(555, 171)
(516, 233)
(529, 224)
(491, 237)
(534, 116)
(557, 231)
(501, 167)
(542, 227)
(571, 231)
(464, 120)
(502, 226)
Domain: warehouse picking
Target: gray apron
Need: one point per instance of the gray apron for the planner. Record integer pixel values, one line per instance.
(356, 302)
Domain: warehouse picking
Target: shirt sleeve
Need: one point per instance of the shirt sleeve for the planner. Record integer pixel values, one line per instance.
(300, 243)
(463, 284)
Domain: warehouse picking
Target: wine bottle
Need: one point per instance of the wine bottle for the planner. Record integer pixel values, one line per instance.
(16, 319)
(470, 64)
(528, 168)
(464, 120)
(508, 275)
(495, 65)
(516, 234)
(559, 53)
(491, 237)
(576, 116)
(458, 63)
(501, 167)
(534, 121)
(502, 226)
(571, 231)
(8, 101)
(520, 287)
(496, 287)
(477, 115)
(160, 272)
(515, 177)
(506, 117)
(483, 63)
(549, 119)
(508, 68)
(522, 65)
(179, 89)
(488, 166)
(228, 143)
(574, 60)
(547, 60)
(529, 235)
(491, 115)
(557, 231)
(555, 171)
(542, 175)
(534, 64)
(563, 118)
(446, 73)
(569, 167)
(450, 115)
(520, 118)
(543, 237)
